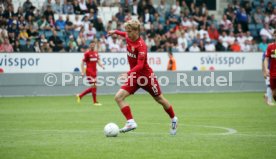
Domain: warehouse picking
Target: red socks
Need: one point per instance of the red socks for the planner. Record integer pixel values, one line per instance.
(90, 90)
(94, 94)
(127, 112)
(170, 112)
(85, 92)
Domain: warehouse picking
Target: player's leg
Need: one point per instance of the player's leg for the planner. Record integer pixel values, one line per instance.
(169, 110)
(94, 94)
(81, 95)
(120, 97)
(88, 90)
(268, 95)
(154, 89)
(166, 105)
(273, 88)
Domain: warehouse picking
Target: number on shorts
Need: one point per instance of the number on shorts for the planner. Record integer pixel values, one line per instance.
(154, 89)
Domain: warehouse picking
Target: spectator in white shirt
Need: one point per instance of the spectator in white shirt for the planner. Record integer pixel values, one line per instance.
(193, 32)
(182, 47)
(86, 22)
(176, 8)
(91, 32)
(113, 45)
(226, 25)
(122, 47)
(78, 24)
(241, 38)
(134, 8)
(147, 17)
(209, 47)
(246, 47)
(224, 39)
(194, 48)
(83, 6)
(101, 46)
(182, 39)
(267, 32)
(203, 31)
(231, 38)
(186, 23)
(81, 38)
(248, 36)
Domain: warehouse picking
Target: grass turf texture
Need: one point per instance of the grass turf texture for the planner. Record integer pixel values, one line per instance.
(57, 127)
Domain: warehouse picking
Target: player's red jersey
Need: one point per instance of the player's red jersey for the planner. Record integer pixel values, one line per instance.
(271, 54)
(91, 59)
(137, 56)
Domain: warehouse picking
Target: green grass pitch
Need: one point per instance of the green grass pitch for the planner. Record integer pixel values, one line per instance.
(212, 126)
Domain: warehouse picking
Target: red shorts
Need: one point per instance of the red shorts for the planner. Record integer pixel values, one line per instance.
(91, 77)
(132, 85)
(272, 83)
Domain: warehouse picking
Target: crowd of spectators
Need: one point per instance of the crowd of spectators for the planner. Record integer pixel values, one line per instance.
(177, 26)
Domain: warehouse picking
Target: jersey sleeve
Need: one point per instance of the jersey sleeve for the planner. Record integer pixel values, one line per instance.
(268, 51)
(98, 56)
(85, 57)
(141, 58)
(121, 33)
(263, 57)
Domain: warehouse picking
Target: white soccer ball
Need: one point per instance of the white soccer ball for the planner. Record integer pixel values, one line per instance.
(111, 130)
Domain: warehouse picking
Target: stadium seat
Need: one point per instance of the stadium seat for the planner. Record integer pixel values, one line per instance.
(254, 33)
(87, 42)
(48, 34)
(40, 32)
(32, 41)
(252, 26)
(76, 34)
(22, 42)
(256, 3)
(60, 34)
(259, 26)
(266, 1)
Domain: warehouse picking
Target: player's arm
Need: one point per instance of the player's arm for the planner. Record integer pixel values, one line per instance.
(142, 51)
(121, 33)
(100, 64)
(266, 60)
(82, 64)
(170, 65)
(266, 71)
(263, 68)
(82, 68)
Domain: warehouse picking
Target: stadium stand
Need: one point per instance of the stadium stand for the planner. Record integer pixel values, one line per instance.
(178, 26)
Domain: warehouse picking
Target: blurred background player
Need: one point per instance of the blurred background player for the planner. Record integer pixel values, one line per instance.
(270, 60)
(137, 59)
(91, 59)
(171, 63)
(268, 94)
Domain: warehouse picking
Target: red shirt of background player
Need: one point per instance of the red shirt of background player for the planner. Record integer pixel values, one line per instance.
(91, 59)
(137, 50)
(271, 54)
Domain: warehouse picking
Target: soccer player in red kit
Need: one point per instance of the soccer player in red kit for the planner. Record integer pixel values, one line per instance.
(139, 67)
(91, 59)
(270, 57)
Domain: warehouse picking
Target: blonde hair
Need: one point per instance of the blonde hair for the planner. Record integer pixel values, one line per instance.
(133, 25)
